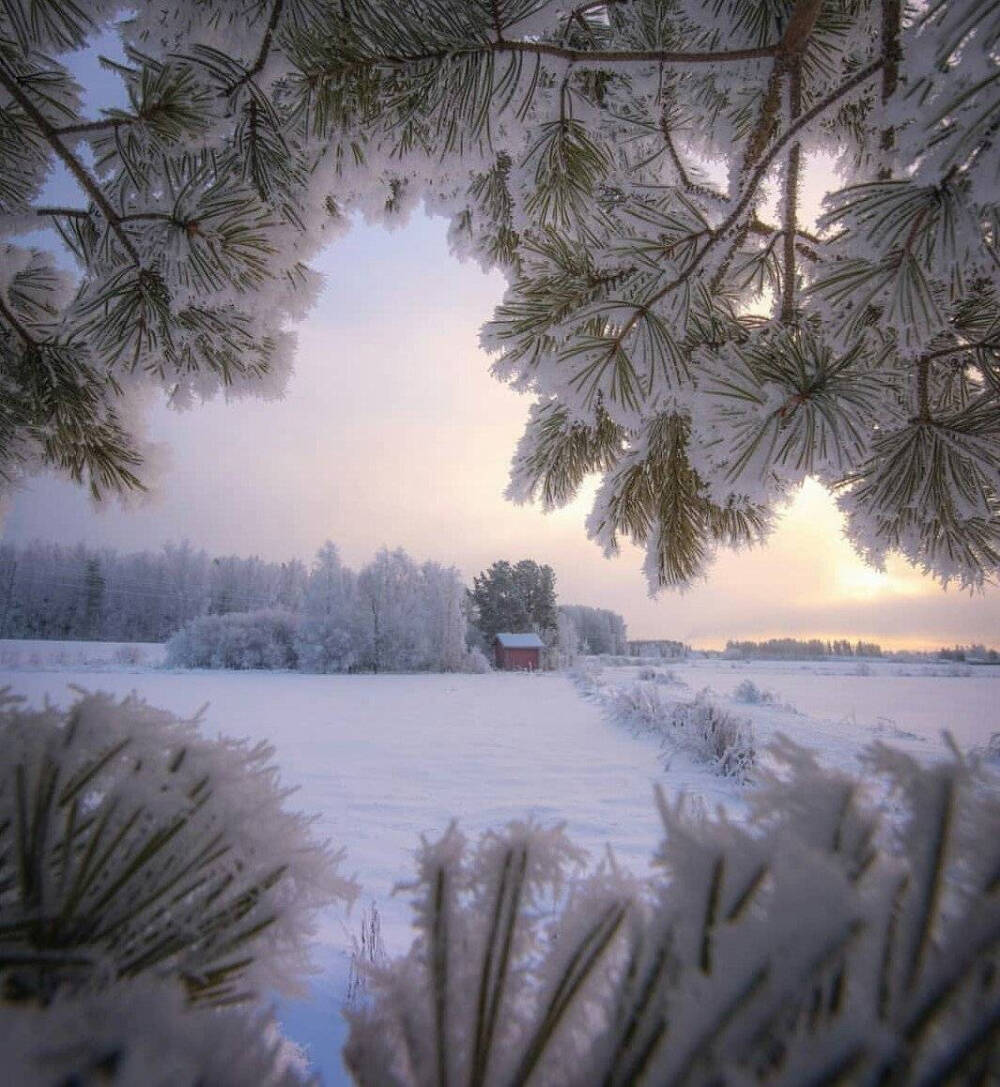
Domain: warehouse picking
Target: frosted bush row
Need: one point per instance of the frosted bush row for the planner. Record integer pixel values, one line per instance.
(699, 726)
(283, 640)
(395, 615)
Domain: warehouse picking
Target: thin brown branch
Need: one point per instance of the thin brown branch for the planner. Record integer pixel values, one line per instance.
(262, 53)
(767, 121)
(497, 25)
(720, 273)
(923, 391)
(791, 132)
(71, 213)
(72, 163)
(84, 128)
(560, 52)
(892, 16)
(758, 226)
(989, 344)
(688, 185)
(790, 48)
(788, 285)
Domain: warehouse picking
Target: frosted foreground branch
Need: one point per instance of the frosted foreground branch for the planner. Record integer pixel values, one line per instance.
(818, 944)
(131, 847)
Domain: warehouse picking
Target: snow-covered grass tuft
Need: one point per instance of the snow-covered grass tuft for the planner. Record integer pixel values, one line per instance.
(131, 846)
(700, 726)
(716, 736)
(749, 693)
(811, 945)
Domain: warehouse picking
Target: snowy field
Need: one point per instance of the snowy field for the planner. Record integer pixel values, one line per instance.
(382, 759)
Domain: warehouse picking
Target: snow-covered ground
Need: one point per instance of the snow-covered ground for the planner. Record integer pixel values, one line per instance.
(840, 706)
(27, 654)
(382, 759)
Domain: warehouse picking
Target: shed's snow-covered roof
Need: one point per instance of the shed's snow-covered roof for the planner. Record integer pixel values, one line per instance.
(520, 641)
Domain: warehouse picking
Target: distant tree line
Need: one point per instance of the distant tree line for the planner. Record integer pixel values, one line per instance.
(241, 612)
(976, 652)
(797, 649)
(394, 615)
(51, 591)
(598, 630)
(231, 612)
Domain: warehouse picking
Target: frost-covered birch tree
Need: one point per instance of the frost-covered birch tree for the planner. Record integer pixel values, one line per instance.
(635, 167)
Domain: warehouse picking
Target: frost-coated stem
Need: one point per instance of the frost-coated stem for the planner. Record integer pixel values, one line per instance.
(790, 48)
(265, 49)
(439, 962)
(923, 391)
(892, 14)
(84, 128)
(791, 195)
(72, 213)
(573, 56)
(73, 164)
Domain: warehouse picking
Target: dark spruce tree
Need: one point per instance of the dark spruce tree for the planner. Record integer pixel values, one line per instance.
(515, 597)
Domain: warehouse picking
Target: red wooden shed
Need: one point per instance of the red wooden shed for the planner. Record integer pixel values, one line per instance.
(518, 652)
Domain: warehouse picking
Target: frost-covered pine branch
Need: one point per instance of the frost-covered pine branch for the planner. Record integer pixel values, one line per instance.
(635, 168)
(132, 848)
(815, 945)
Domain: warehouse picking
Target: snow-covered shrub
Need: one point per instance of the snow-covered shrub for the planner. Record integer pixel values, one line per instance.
(813, 945)
(324, 644)
(143, 1034)
(132, 846)
(642, 706)
(704, 729)
(749, 693)
(128, 655)
(716, 736)
(476, 661)
(455, 1009)
(238, 639)
(663, 676)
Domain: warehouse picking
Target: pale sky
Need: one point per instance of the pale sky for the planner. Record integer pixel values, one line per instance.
(393, 433)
